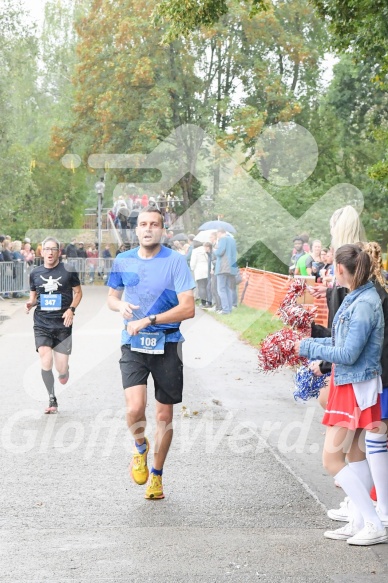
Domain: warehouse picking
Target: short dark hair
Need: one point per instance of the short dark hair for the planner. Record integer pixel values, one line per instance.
(297, 239)
(53, 239)
(152, 209)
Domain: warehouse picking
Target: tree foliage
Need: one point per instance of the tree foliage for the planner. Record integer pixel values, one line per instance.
(360, 26)
(36, 92)
(102, 77)
(132, 91)
(182, 18)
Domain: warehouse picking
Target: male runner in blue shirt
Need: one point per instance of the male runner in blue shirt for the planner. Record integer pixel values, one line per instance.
(158, 295)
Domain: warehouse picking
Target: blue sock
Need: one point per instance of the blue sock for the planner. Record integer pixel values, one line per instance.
(157, 472)
(142, 447)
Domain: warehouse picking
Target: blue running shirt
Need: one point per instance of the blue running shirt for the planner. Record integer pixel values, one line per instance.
(153, 284)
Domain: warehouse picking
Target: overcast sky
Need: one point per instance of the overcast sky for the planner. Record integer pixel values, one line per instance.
(36, 8)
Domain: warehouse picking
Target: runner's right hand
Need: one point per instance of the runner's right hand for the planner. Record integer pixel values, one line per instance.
(126, 310)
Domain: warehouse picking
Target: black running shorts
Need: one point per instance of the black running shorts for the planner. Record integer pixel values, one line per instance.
(59, 340)
(166, 370)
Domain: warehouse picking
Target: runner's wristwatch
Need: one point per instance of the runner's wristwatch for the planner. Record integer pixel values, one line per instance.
(152, 319)
(72, 308)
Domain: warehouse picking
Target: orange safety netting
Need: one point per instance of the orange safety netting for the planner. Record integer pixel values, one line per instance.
(264, 290)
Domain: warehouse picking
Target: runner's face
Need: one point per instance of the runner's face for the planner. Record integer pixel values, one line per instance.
(149, 229)
(50, 254)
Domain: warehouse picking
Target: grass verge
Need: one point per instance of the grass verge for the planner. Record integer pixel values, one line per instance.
(253, 325)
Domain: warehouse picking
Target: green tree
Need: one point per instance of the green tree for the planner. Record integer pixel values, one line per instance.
(360, 26)
(18, 50)
(132, 91)
(353, 108)
(36, 91)
(183, 18)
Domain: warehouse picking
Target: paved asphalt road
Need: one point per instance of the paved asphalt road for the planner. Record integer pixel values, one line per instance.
(246, 496)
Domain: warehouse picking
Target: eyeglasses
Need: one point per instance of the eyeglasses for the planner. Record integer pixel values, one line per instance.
(53, 249)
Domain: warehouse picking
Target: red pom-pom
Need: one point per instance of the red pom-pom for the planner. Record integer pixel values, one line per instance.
(277, 350)
(293, 314)
(295, 289)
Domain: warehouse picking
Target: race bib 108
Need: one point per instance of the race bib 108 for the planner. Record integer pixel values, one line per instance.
(148, 342)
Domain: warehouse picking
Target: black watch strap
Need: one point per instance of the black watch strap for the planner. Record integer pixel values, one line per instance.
(72, 308)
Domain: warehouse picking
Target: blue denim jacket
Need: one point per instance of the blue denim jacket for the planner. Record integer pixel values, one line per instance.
(357, 338)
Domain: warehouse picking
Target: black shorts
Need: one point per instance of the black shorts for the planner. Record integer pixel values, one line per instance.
(59, 340)
(166, 370)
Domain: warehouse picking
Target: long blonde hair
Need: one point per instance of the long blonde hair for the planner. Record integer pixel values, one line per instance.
(374, 251)
(346, 227)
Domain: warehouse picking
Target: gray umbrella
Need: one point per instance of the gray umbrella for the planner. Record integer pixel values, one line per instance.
(123, 210)
(179, 237)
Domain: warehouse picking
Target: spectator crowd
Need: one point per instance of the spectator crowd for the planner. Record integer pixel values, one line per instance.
(126, 209)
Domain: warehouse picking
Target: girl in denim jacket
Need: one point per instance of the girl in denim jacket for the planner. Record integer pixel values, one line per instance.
(355, 387)
(376, 443)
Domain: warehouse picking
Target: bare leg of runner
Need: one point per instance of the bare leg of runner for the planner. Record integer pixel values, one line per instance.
(136, 401)
(163, 434)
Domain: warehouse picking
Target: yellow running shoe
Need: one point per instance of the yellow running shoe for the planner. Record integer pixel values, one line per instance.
(138, 468)
(155, 488)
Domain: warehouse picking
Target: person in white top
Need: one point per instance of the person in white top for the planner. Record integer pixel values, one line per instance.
(199, 265)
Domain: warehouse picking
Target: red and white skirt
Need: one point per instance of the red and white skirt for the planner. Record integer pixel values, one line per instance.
(342, 409)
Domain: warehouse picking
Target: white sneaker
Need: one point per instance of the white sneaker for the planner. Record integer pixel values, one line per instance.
(343, 533)
(369, 535)
(340, 514)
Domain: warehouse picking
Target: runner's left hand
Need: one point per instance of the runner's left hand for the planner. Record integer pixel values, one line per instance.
(135, 326)
(68, 318)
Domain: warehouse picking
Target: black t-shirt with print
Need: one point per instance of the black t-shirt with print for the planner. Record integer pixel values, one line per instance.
(57, 286)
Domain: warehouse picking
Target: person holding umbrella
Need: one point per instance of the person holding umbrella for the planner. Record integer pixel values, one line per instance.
(226, 269)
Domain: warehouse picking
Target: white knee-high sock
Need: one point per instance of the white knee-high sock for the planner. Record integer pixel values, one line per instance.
(359, 495)
(363, 472)
(378, 460)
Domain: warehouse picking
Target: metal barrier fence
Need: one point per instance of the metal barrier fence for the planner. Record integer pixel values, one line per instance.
(91, 268)
(15, 275)
(91, 219)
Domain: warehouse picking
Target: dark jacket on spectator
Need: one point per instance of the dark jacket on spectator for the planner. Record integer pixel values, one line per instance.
(82, 253)
(71, 250)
